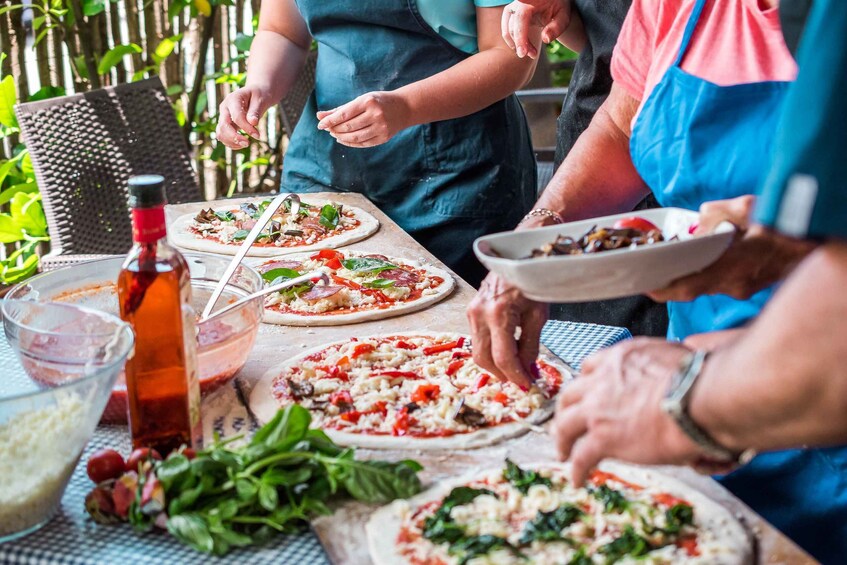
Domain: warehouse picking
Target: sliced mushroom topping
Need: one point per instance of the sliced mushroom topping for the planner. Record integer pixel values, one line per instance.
(300, 389)
(470, 416)
(205, 216)
(411, 407)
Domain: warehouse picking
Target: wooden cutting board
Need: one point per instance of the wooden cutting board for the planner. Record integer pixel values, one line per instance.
(343, 534)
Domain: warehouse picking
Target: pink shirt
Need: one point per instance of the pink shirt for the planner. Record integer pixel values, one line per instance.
(736, 41)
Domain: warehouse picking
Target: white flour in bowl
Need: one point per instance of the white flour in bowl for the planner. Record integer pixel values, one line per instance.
(38, 452)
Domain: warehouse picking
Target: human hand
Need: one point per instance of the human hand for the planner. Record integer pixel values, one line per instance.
(241, 110)
(369, 120)
(494, 314)
(523, 18)
(613, 409)
(758, 257)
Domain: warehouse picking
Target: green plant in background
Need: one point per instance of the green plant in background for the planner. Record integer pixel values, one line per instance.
(25, 223)
(558, 53)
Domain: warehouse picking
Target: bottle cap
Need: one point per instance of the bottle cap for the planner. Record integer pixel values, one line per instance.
(147, 191)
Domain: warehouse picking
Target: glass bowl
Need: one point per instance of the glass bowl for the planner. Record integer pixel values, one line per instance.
(224, 343)
(60, 363)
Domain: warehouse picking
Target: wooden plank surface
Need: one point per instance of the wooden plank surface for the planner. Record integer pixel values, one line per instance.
(342, 534)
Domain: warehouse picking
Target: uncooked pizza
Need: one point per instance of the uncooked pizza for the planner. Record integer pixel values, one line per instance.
(361, 287)
(316, 225)
(415, 391)
(534, 514)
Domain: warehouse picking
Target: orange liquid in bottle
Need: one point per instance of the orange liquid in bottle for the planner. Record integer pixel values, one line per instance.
(154, 292)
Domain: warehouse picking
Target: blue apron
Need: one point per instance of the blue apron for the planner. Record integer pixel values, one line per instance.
(696, 141)
(445, 182)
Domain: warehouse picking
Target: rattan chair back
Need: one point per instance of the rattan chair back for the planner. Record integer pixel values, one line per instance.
(84, 147)
(294, 102)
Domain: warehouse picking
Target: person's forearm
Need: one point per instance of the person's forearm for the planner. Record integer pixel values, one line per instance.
(784, 384)
(597, 177)
(467, 87)
(274, 64)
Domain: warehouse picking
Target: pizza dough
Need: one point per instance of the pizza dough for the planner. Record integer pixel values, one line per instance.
(718, 538)
(442, 421)
(336, 304)
(181, 235)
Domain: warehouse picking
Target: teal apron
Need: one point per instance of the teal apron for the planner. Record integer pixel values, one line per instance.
(695, 141)
(446, 182)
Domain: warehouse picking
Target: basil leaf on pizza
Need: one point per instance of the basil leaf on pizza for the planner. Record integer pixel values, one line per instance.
(272, 275)
(484, 517)
(408, 391)
(361, 287)
(316, 226)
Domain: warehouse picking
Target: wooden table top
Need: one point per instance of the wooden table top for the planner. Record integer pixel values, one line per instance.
(342, 534)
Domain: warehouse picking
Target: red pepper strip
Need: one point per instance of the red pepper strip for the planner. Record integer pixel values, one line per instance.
(398, 374)
(362, 349)
(689, 545)
(327, 254)
(401, 422)
(481, 381)
(461, 355)
(334, 264)
(346, 282)
(426, 393)
(378, 294)
(379, 407)
(454, 367)
(344, 362)
(341, 396)
(404, 345)
(441, 347)
(600, 478)
(351, 416)
(501, 397)
(669, 500)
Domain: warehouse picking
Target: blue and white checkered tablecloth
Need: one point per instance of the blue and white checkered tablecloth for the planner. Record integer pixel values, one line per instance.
(71, 538)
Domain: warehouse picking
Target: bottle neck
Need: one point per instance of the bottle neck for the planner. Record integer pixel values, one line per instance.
(148, 224)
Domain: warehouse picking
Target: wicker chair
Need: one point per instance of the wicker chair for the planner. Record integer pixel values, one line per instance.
(292, 105)
(84, 147)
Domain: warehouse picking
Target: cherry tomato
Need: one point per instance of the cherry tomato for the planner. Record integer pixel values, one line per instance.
(140, 455)
(189, 453)
(635, 223)
(104, 465)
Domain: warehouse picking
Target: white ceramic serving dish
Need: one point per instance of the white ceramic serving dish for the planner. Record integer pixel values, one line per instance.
(608, 274)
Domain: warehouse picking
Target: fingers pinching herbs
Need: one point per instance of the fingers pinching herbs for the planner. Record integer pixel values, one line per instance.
(227, 133)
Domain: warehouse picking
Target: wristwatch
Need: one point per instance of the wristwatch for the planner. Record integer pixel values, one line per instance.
(676, 405)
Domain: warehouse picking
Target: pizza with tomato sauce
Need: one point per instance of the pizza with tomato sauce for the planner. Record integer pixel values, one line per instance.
(535, 514)
(361, 287)
(416, 391)
(316, 225)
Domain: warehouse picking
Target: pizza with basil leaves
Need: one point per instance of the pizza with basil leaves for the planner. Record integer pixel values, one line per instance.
(535, 514)
(361, 287)
(414, 391)
(316, 225)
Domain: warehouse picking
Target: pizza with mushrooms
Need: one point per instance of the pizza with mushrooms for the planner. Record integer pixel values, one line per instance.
(315, 225)
(414, 391)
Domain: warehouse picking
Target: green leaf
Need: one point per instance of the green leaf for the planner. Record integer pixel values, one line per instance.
(475, 546)
(329, 216)
(93, 7)
(5, 169)
(139, 74)
(26, 210)
(173, 471)
(246, 489)
(284, 274)
(165, 48)
(523, 479)
(243, 42)
(629, 543)
(613, 500)
(268, 497)
(367, 265)
(81, 67)
(548, 526)
(286, 477)
(240, 235)
(8, 97)
(10, 230)
(286, 429)
(26, 188)
(192, 530)
(378, 481)
(114, 55)
(225, 216)
(379, 283)
(174, 90)
(47, 92)
(13, 274)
